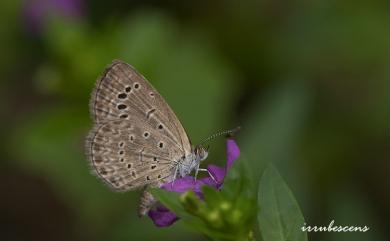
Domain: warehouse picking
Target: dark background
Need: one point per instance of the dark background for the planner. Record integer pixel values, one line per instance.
(309, 82)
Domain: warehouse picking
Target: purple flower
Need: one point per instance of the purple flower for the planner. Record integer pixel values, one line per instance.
(163, 217)
(36, 12)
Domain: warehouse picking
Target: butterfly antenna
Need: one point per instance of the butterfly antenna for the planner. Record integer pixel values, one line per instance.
(221, 133)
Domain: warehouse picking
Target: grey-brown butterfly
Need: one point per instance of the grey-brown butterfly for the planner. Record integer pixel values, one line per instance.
(137, 141)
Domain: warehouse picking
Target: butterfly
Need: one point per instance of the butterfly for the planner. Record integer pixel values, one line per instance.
(137, 141)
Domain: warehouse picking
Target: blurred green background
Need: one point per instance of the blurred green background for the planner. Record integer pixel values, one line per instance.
(309, 82)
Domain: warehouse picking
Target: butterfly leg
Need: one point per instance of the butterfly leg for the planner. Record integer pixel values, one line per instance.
(197, 171)
(208, 172)
(174, 175)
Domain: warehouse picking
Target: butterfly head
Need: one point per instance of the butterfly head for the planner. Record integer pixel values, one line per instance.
(201, 152)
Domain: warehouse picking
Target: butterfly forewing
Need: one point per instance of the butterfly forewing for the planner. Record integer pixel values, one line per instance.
(122, 92)
(137, 139)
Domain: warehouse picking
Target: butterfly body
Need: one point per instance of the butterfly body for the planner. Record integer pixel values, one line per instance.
(192, 161)
(137, 141)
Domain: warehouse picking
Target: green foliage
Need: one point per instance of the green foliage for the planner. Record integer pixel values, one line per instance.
(224, 215)
(229, 214)
(280, 218)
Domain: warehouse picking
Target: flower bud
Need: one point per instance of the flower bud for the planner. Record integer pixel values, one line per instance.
(214, 218)
(190, 202)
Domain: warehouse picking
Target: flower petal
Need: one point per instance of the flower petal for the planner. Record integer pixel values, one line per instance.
(232, 152)
(217, 172)
(184, 184)
(180, 185)
(162, 217)
(37, 12)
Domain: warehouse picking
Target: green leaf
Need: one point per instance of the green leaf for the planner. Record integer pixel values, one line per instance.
(212, 197)
(239, 181)
(279, 216)
(171, 200)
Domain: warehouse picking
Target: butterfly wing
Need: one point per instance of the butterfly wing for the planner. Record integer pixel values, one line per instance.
(127, 154)
(125, 108)
(122, 92)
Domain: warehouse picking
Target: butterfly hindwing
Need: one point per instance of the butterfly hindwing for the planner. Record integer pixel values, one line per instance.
(127, 155)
